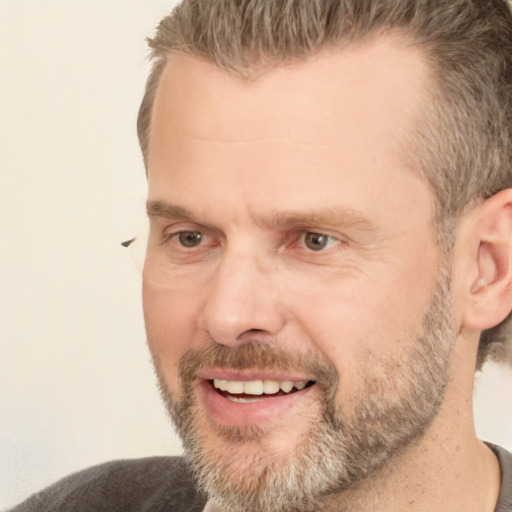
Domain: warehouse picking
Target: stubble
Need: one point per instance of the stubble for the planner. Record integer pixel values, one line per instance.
(342, 447)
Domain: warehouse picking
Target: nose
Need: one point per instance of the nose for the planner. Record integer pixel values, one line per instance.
(242, 302)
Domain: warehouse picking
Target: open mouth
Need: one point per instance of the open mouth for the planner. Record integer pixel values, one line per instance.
(255, 390)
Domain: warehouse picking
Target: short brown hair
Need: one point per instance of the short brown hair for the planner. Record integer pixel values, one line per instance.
(463, 144)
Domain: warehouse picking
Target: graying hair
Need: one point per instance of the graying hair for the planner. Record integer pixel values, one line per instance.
(462, 145)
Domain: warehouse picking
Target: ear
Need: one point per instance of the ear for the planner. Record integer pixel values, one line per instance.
(489, 283)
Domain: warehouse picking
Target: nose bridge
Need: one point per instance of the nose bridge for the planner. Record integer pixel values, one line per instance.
(240, 299)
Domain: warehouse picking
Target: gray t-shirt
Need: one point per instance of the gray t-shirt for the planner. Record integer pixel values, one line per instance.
(505, 498)
(161, 484)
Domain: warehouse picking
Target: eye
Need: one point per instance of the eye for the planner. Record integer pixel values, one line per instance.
(189, 239)
(318, 241)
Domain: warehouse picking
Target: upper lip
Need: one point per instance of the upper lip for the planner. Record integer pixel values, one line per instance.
(248, 374)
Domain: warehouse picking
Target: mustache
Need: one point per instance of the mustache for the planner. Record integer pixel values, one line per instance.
(258, 355)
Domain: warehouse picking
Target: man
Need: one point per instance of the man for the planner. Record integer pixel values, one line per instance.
(329, 257)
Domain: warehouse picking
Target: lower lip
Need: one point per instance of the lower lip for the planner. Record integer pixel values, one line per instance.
(264, 410)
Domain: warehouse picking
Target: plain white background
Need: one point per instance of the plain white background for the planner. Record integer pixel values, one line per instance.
(76, 382)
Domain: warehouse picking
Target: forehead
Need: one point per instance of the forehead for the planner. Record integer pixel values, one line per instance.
(340, 118)
(363, 85)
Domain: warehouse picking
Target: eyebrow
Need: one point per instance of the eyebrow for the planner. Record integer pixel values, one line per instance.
(162, 209)
(333, 217)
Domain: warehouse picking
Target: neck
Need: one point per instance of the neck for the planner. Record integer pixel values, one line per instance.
(447, 470)
(471, 484)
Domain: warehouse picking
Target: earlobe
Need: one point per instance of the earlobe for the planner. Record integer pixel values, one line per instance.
(490, 298)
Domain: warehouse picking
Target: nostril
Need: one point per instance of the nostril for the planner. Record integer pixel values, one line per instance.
(251, 335)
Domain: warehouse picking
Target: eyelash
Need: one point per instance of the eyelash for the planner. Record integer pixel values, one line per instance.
(169, 237)
(314, 234)
(298, 239)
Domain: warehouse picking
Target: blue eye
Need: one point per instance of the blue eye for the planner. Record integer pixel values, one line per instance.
(190, 239)
(317, 241)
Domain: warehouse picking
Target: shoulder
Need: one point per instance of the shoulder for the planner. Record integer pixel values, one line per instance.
(505, 459)
(141, 485)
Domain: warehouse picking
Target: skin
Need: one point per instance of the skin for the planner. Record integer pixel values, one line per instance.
(315, 147)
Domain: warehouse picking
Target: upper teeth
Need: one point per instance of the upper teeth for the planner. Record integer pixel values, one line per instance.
(257, 387)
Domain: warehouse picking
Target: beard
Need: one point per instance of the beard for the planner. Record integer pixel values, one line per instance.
(342, 447)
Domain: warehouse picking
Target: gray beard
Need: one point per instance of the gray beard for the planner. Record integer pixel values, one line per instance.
(341, 449)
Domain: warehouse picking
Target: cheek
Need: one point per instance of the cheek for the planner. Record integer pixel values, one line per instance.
(171, 324)
(356, 323)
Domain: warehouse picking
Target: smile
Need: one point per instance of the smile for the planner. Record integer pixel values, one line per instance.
(237, 398)
(253, 390)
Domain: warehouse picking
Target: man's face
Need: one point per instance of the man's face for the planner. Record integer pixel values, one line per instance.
(290, 246)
